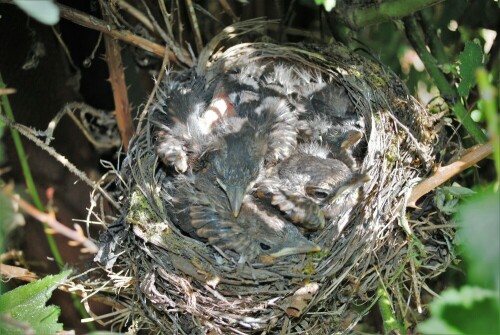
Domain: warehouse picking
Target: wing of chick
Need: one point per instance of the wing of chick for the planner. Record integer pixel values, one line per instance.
(258, 230)
(305, 184)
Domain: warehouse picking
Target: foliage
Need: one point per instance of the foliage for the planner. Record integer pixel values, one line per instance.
(469, 310)
(473, 308)
(471, 58)
(479, 231)
(26, 305)
(447, 198)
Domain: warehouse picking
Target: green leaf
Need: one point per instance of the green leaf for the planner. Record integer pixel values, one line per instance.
(458, 191)
(44, 11)
(479, 220)
(470, 59)
(26, 306)
(469, 310)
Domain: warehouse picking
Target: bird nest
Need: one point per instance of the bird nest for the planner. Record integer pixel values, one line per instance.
(175, 283)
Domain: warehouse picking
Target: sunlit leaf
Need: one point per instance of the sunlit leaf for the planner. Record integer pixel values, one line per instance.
(470, 59)
(25, 305)
(479, 220)
(469, 310)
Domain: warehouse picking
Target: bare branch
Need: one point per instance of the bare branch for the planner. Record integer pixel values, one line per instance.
(117, 79)
(444, 173)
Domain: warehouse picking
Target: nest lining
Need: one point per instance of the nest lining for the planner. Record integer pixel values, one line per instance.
(185, 286)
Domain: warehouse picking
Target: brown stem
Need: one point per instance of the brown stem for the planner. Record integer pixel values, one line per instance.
(73, 235)
(137, 14)
(229, 11)
(7, 91)
(117, 79)
(94, 23)
(194, 25)
(444, 173)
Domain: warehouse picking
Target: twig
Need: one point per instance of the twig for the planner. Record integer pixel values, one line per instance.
(416, 40)
(444, 173)
(94, 23)
(26, 132)
(286, 20)
(117, 79)
(137, 14)
(7, 91)
(166, 18)
(48, 219)
(229, 11)
(153, 93)
(194, 25)
(103, 119)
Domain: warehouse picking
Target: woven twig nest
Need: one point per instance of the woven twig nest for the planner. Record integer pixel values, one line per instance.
(176, 284)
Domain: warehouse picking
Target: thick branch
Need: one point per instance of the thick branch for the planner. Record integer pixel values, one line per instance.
(445, 173)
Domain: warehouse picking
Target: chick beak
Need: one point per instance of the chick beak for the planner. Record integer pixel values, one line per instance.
(301, 246)
(235, 196)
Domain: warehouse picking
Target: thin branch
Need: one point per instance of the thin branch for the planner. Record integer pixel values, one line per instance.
(158, 82)
(48, 219)
(276, 27)
(28, 133)
(194, 25)
(7, 91)
(137, 14)
(445, 173)
(414, 36)
(117, 79)
(181, 53)
(166, 18)
(94, 23)
(229, 11)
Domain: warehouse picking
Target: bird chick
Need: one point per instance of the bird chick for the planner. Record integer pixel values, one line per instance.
(237, 160)
(178, 116)
(242, 144)
(258, 230)
(306, 183)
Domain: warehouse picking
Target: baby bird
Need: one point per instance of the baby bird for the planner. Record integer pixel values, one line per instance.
(243, 144)
(204, 211)
(226, 124)
(305, 184)
(180, 124)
